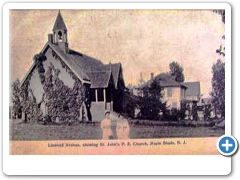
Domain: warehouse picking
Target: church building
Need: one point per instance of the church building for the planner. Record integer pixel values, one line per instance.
(101, 82)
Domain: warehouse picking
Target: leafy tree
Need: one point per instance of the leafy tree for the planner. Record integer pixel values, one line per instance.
(176, 70)
(24, 93)
(129, 104)
(218, 87)
(28, 102)
(221, 49)
(194, 111)
(16, 101)
(34, 111)
(222, 13)
(151, 105)
(218, 79)
(207, 111)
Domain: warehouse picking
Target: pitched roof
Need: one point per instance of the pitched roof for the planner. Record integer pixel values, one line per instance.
(59, 23)
(85, 65)
(79, 62)
(193, 88)
(115, 68)
(99, 79)
(164, 80)
(87, 69)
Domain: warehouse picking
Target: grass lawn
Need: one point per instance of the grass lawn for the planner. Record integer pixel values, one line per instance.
(79, 131)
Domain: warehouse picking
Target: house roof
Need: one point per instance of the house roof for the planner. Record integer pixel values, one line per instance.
(79, 62)
(99, 79)
(193, 88)
(115, 68)
(86, 68)
(164, 80)
(59, 23)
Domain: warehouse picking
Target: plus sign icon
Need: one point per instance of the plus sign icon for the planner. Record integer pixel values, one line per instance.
(227, 145)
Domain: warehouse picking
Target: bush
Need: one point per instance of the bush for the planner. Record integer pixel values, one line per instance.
(129, 105)
(150, 108)
(194, 111)
(46, 119)
(171, 115)
(207, 112)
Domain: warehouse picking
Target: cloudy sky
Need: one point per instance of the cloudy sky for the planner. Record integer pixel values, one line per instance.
(142, 40)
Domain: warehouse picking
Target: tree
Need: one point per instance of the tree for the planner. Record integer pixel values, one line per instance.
(16, 101)
(176, 70)
(218, 79)
(221, 49)
(151, 104)
(222, 13)
(218, 87)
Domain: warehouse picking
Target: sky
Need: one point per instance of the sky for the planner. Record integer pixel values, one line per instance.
(142, 40)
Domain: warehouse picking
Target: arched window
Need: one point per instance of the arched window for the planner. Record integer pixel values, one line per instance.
(60, 35)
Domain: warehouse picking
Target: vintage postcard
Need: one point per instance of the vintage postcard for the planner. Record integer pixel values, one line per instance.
(115, 81)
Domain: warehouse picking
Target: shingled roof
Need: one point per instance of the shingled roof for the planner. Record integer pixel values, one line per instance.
(99, 79)
(81, 62)
(193, 88)
(164, 80)
(115, 68)
(59, 23)
(88, 69)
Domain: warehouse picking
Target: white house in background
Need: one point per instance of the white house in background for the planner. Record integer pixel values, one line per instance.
(173, 92)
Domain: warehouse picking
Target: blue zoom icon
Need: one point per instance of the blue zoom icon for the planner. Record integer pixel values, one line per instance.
(227, 145)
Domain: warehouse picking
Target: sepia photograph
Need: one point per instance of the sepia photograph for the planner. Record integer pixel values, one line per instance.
(116, 74)
(142, 87)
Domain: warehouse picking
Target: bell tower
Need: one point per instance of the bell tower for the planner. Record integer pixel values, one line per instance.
(60, 33)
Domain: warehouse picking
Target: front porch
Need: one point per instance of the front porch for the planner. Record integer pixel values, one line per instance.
(101, 101)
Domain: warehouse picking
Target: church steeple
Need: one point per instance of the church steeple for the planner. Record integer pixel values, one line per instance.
(60, 33)
(59, 23)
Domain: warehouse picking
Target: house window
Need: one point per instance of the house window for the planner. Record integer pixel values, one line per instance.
(169, 92)
(174, 104)
(183, 93)
(100, 95)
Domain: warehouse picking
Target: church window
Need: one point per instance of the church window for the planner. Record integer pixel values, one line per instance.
(60, 35)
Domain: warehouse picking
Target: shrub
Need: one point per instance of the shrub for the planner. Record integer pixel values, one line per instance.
(171, 115)
(194, 111)
(46, 119)
(207, 112)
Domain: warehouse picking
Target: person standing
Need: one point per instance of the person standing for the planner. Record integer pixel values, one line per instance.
(122, 128)
(106, 127)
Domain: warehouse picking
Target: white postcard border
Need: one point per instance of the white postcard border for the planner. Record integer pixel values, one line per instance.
(113, 165)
